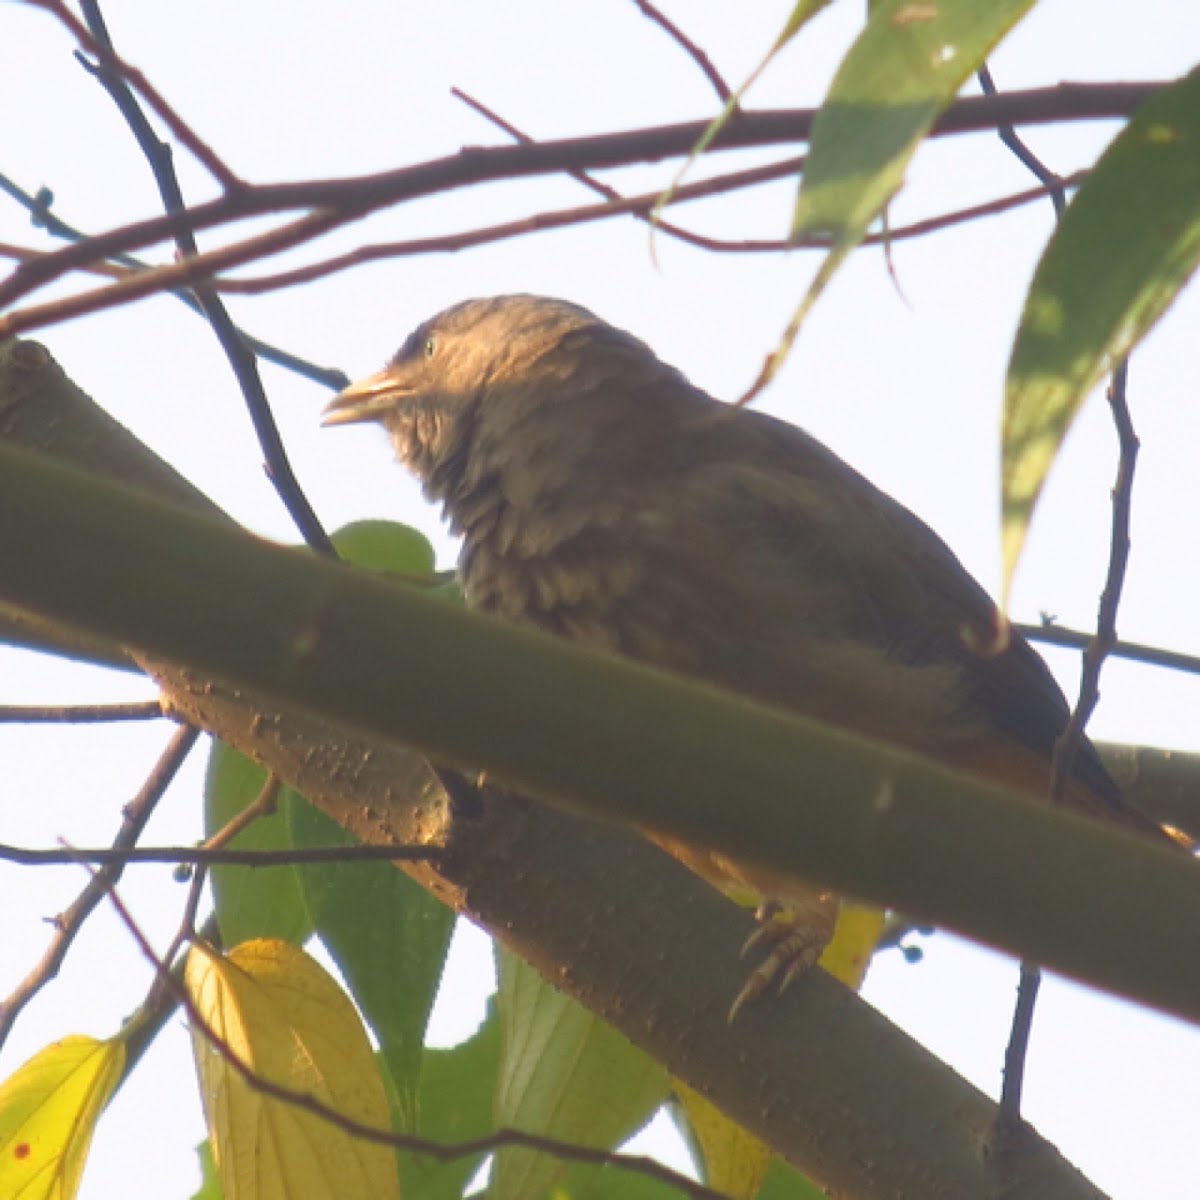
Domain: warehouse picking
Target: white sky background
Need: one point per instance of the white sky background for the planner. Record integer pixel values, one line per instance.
(906, 387)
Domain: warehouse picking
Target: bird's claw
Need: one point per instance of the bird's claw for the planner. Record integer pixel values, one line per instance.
(795, 947)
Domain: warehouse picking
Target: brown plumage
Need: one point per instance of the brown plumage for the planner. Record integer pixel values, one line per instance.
(602, 497)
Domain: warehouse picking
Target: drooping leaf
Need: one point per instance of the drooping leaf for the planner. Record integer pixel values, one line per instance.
(48, 1111)
(290, 1023)
(903, 70)
(564, 1073)
(251, 902)
(388, 936)
(1127, 243)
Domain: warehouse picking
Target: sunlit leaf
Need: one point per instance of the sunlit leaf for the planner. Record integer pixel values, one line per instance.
(251, 902)
(48, 1111)
(283, 1017)
(564, 1073)
(735, 1161)
(1127, 243)
(903, 70)
(848, 954)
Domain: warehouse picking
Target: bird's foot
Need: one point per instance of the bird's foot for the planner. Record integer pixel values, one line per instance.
(795, 943)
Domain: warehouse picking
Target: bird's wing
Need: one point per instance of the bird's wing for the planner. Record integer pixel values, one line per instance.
(820, 562)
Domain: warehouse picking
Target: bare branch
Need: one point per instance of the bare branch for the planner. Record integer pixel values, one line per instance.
(1073, 639)
(39, 207)
(334, 203)
(80, 714)
(689, 47)
(222, 856)
(68, 924)
(1056, 186)
(111, 74)
(182, 131)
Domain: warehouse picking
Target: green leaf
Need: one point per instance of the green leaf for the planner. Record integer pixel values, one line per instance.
(457, 1089)
(388, 936)
(210, 1185)
(48, 1111)
(251, 902)
(903, 70)
(786, 1183)
(385, 546)
(566, 1074)
(1126, 245)
(613, 1183)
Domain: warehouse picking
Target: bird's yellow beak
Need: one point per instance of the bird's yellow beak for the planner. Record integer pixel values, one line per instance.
(366, 400)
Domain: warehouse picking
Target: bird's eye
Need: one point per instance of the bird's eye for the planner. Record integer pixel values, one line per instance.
(430, 347)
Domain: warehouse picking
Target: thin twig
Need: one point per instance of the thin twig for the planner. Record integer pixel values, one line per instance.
(101, 47)
(69, 922)
(1068, 742)
(160, 1005)
(642, 210)
(39, 207)
(263, 805)
(640, 206)
(218, 856)
(334, 203)
(109, 70)
(185, 935)
(1105, 638)
(1055, 185)
(689, 47)
(80, 714)
(1016, 1053)
(1074, 639)
(159, 278)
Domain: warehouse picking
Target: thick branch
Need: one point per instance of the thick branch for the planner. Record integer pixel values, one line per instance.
(818, 1074)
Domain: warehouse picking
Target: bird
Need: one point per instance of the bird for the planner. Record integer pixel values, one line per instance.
(602, 497)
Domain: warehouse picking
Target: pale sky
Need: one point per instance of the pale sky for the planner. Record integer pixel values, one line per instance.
(907, 387)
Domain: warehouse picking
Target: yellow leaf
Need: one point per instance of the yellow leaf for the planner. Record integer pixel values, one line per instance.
(848, 955)
(287, 1020)
(48, 1111)
(735, 1161)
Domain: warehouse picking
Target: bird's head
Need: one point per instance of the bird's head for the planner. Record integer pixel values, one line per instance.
(504, 355)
